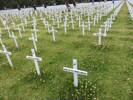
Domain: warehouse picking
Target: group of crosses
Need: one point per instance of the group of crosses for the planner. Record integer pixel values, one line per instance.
(130, 7)
(107, 25)
(57, 18)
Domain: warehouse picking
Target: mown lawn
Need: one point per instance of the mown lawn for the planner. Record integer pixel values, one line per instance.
(109, 66)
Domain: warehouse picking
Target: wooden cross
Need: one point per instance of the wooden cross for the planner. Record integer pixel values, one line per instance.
(36, 60)
(75, 72)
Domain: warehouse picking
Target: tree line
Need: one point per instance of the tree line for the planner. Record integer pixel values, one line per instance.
(4, 4)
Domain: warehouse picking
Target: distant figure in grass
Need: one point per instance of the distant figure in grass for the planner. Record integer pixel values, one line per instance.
(70, 1)
(67, 5)
(34, 7)
(45, 4)
(74, 3)
(19, 8)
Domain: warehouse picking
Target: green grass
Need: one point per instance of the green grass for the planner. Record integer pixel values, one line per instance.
(111, 65)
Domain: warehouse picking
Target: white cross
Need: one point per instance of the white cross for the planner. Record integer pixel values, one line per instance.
(83, 28)
(53, 20)
(19, 30)
(5, 24)
(35, 30)
(79, 21)
(65, 26)
(14, 25)
(89, 25)
(26, 23)
(97, 18)
(47, 25)
(107, 25)
(58, 22)
(53, 33)
(9, 34)
(22, 24)
(103, 27)
(36, 60)
(34, 40)
(72, 22)
(94, 22)
(7, 54)
(110, 22)
(44, 22)
(75, 72)
(15, 39)
(99, 37)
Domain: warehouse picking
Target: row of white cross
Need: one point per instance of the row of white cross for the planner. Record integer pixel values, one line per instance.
(36, 59)
(130, 9)
(107, 24)
(52, 30)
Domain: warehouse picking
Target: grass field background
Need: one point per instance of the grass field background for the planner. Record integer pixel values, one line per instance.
(110, 66)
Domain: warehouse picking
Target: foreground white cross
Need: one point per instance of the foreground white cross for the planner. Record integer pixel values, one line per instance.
(75, 72)
(7, 54)
(36, 60)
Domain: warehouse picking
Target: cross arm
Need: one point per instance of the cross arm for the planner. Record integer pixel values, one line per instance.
(5, 52)
(73, 70)
(96, 34)
(34, 58)
(32, 38)
(13, 37)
